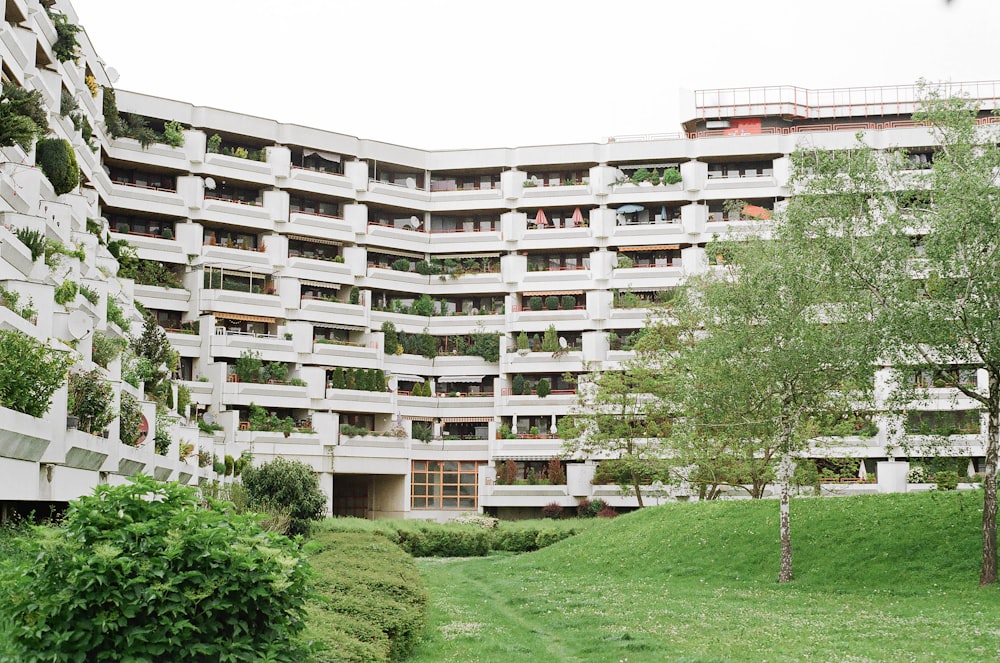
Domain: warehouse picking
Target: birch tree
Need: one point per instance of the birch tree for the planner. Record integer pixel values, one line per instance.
(778, 351)
(922, 244)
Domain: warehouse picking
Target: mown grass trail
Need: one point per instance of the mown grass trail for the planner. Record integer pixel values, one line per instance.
(884, 578)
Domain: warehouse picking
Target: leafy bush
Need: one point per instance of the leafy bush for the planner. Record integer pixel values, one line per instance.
(423, 305)
(517, 384)
(550, 340)
(590, 508)
(139, 572)
(34, 240)
(23, 117)
(30, 372)
(66, 292)
(542, 389)
(173, 135)
(535, 303)
(131, 418)
(607, 512)
(567, 302)
(66, 46)
(90, 397)
(946, 480)
(390, 335)
(287, 483)
(400, 265)
(671, 176)
(522, 341)
(116, 315)
(552, 303)
(248, 366)
(56, 158)
(552, 510)
(106, 348)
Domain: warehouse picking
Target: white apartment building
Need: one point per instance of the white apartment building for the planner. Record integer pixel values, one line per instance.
(297, 245)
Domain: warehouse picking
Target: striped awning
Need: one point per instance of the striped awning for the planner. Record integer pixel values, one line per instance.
(658, 247)
(467, 420)
(513, 455)
(406, 377)
(460, 378)
(314, 240)
(244, 317)
(553, 292)
(338, 325)
(319, 284)
(418, 417)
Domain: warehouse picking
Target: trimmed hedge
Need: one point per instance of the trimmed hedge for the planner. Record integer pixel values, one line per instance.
(56, 158)
(370, 604)
(426, 539)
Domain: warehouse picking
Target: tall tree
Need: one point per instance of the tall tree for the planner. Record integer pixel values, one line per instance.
(624, 415)
(778, 350)
(923, 244)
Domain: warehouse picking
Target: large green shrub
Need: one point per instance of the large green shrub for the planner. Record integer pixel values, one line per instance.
(23, 117)
(287, 483)
(30, 372)
(140, 573)
(131, 418)
(56, 158)
(90, 396)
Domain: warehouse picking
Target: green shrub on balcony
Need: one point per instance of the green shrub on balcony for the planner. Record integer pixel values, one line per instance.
(535, 303)
(30, 373)
(66, 46)
(568, 302)
(23, 117)
(248, 366)
(552, 303)
(671, 176)
(66, 292)
(550, 341)
(400, 265)
(173, 134)
(542, 389)
(90, 397)
(517, 385)
(423, 306)
(57, 160)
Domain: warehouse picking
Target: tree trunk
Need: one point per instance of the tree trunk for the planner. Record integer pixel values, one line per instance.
(785, 575)
(638, 490)
(988, 572)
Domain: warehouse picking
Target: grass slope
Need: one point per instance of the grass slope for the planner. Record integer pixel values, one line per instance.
(878, 578)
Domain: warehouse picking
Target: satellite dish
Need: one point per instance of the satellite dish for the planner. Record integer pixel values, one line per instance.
(562, 342)
(208, 418)
(113, 74)
(534, 178)
(80, 324)
(474, 311)
(411, 183)
(210, 183)
(415, 222)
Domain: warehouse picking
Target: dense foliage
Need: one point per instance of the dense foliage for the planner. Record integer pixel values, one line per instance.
(140, 572)
(287, 483)
(22, 116)
(30, 372)
(90, 397)
(371, 605)
(56, 158)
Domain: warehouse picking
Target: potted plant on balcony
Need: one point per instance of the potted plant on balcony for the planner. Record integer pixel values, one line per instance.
(522, 344)
(542, 389)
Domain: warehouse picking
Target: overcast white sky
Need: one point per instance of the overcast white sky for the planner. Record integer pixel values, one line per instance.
(471, 73)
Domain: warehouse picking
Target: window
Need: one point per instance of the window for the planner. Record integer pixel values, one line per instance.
(741, 169)
(136, 225)
(445, 484)
(140, 178)
(317, 207)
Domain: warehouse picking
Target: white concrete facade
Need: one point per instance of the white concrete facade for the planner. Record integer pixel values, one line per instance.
(292, 256)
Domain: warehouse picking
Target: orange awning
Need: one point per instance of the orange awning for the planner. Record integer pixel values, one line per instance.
(241, 316)
(314, 240)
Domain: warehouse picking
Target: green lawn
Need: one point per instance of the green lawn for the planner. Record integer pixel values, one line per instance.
(881, 578)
